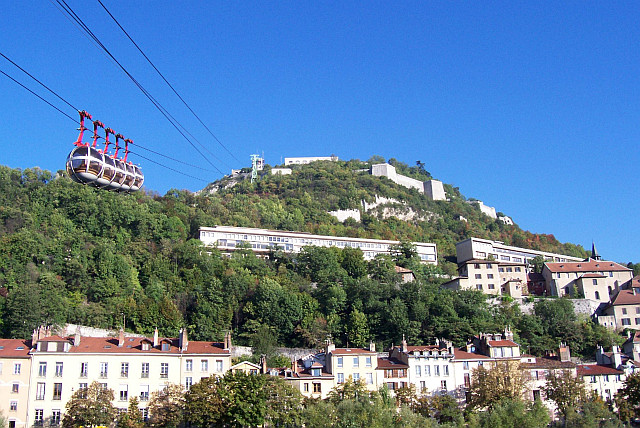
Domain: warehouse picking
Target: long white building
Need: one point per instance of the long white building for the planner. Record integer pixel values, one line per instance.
(228, 238)
(476, 248)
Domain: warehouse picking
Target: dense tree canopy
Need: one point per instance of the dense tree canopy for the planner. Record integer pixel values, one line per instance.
(72, 253)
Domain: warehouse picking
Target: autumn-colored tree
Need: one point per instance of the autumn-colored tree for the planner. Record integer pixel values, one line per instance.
(348, 390)
(496, 381)
(166, 407)
(90, 406)
(565, 389)
(406, 396)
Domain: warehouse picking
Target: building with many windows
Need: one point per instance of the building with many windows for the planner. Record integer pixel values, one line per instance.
(130, 366)
(229, 238)
(476, 248)
(595, 279)
(491, 277)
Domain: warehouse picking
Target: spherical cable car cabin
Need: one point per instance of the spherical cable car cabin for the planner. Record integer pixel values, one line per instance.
(88, 165)
(85, 163)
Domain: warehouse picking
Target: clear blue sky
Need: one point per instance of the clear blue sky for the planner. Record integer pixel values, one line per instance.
(531, 107)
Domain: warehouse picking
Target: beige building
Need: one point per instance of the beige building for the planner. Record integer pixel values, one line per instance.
(15, 367)
(624, 309)
(537, 370)
(355, 363)
(477, 248)
(491, 277)
(595, 279)
(130, 366)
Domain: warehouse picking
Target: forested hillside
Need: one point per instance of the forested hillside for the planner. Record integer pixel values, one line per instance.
(71, 253)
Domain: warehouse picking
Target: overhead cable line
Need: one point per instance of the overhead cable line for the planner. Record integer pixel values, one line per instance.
(168, 167)
(38, 96)
(67, 9)
(166, 81)
(41, 84)
(76, 121)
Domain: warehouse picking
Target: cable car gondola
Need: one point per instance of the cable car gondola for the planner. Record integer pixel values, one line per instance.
(87, 164)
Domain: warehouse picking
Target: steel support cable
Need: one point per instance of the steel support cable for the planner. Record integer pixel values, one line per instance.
(168, 167)
(165, 80)
(77, 123)
(70, 12)
(41, 84)
(51, 105)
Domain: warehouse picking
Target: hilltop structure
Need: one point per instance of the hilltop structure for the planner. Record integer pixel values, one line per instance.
(433, 189)
(303, 160)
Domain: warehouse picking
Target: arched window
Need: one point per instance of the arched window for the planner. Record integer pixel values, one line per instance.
(597, 295)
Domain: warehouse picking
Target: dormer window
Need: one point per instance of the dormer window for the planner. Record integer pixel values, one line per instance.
(145, 346)
(315, 372)
(165, 346)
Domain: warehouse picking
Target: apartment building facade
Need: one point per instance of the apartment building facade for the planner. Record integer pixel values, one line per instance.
(130, 366)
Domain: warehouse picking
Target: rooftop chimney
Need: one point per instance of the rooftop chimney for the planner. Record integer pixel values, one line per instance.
(616, 357)
(329, 346)
(372, 346)
(155, 337)
(263, 363)
(183, 341)
(121, 338)
(294, 366)
(404, 347)
(76, 339)
(564, 352)
(227, 340)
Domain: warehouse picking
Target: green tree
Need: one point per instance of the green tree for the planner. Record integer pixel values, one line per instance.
(514, 413)
(357, 329)
(133, 417)
(627, 399)
(537, 263)
(90, 406)
(238, 399)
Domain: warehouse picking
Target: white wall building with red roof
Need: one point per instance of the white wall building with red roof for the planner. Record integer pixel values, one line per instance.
(130, 366)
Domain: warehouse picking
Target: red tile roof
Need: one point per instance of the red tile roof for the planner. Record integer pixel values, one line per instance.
(10, 348)
(351, 351)
(53, 339)
(594, 370)
(586, 266)
(548, 363)
(592, 275)
(626, 297)
(390, 363)
(109, 345)
(402, 270)
(460, 354)
(502, 343)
